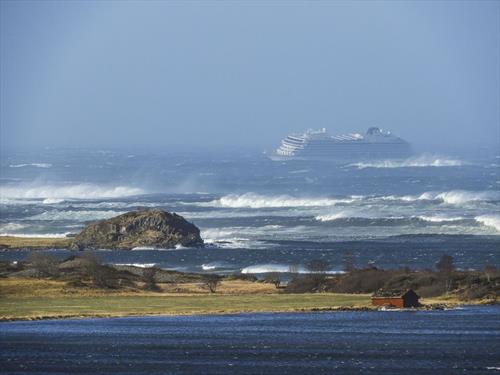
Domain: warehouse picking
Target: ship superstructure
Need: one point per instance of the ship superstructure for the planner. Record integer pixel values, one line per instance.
(319, 145)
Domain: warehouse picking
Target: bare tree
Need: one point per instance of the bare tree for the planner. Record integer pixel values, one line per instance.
(445, 264)
(212, 282)
(273, 278)
(93, 268)
(317, 269)
(348, 260)
(149, 276)
(45, 265)
(489, 271)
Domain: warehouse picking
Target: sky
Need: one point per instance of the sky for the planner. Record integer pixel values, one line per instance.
(215, 75)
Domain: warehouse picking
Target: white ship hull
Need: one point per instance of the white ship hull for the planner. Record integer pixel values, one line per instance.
(318, 145)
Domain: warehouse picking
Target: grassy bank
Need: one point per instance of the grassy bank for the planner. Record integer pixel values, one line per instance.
(11, 242)
(37, 299)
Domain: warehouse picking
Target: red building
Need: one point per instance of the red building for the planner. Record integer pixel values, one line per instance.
(399, 299)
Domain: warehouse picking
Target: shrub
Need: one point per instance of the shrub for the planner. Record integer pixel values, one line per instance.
(149, 277)
(45, 265)
(212, 282)
(273, 278)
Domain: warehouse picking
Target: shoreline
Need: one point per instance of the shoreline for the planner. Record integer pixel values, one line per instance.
(41, 299)
(444, 307)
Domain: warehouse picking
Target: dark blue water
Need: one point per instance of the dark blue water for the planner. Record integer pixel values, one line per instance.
(465, 341)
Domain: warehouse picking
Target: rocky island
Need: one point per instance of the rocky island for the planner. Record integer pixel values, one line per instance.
(147, 228)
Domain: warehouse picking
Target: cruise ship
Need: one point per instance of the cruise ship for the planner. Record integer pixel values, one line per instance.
(319, 145)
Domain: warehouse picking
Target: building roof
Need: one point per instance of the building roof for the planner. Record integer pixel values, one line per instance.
(388, 293)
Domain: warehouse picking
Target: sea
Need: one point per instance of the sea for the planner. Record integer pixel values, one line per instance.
(257, 215)
(458, 341)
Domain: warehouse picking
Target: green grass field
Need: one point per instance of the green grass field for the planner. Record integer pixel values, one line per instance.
(69, 306)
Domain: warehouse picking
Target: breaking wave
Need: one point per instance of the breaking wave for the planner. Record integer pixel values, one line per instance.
(280, 268)
(415, 162)
(36, 165)
(439, 219)
(455, 197)
(460, 196)
(139, 265)
(60, 192)
(489, 221)
(251, 200)
(80, 216)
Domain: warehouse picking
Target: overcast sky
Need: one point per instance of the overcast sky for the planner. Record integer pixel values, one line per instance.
(182, 75)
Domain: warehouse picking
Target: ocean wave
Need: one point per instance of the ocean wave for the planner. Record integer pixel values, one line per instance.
(492, 221)
(457, 197)
(80, 216)
(139, 265)
(356, 218)
(252, 200)
(78, 191)
(453, 197)
(281, 268)
(439, 219)
(215, 265)
(9, 227)
(415, 162)
(52, 201)
(36, 165)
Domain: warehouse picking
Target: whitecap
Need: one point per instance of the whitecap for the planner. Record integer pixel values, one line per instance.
(414, 162)
(492, 221)
(281, 268)
(66, 191)
(438, 218)
(139, 265)
(36, 165)
(252, 200)
(81, 216)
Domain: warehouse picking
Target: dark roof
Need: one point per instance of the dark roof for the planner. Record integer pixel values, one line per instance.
(392, 293)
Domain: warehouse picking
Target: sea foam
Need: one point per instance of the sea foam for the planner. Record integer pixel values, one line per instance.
(415, 162)
(76, 191)
(35, 165)
(252, 200)
(489, 221)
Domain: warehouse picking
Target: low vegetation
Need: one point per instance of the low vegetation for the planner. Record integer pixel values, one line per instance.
(11, 242)
(45, 286)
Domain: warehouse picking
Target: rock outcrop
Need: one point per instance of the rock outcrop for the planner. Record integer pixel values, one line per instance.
(149, 228)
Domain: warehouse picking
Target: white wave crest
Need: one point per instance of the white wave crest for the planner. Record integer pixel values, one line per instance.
(251, 200)
(439, 219)
(79, 216)
(78, 191)
(460, 196)
(415, 162)
(9, 227)
(332, 217)
(280, 268)
(52, 200)
(489, 220)
(454, 197)
(215, 265)
(139, 265)
(36, 165)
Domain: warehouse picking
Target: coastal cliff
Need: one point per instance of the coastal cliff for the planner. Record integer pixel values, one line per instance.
(149, 228)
